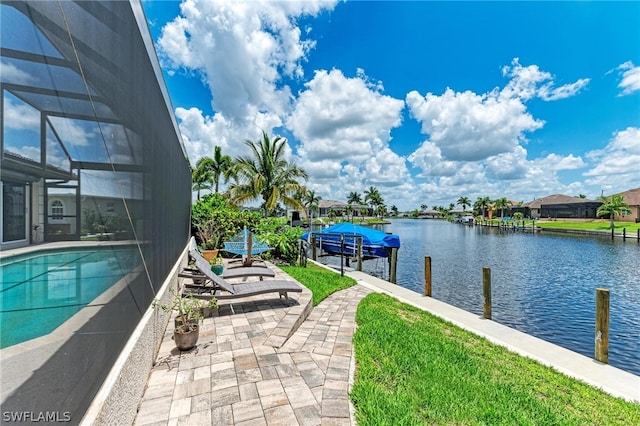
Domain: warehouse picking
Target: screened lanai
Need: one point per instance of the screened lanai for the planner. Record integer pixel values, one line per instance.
(93, 167)
(81, 121)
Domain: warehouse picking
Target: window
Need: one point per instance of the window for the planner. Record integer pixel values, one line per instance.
(57, 210)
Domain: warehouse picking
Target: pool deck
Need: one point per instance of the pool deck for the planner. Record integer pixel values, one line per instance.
(260, 361)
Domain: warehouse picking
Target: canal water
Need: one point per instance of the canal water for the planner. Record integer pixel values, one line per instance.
(542, 284)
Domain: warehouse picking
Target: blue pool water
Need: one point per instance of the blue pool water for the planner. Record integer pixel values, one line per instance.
(40, 291)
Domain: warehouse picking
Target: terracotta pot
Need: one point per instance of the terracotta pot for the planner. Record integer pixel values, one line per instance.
(210, 254)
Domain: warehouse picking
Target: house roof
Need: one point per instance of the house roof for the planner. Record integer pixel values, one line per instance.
(557, 199)
(328, 204)
(632, 197)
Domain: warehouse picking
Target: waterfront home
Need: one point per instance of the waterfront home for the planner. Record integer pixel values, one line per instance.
(561, 206)
(632, 198)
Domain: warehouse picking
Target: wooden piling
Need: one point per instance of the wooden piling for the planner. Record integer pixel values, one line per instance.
(486, 290)
(314, 254)
(602, 325)
(360, 253)
(427, 276)
(394, 265)
(624, 234)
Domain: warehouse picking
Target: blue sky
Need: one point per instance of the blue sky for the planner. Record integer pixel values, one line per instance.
(427, 101)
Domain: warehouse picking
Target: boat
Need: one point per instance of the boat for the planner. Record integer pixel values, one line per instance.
(343, 239)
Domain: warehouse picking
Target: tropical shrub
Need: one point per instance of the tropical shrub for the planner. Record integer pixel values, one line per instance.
(283, 239)
(214, 220)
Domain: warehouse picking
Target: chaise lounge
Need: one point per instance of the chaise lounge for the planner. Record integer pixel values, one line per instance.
(222, 289)
(231, 271)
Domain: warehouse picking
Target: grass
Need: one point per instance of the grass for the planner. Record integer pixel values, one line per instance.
(604, 226)
(414, 368)
(319, 280)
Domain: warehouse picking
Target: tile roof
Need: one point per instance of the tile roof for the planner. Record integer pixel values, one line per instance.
(632, 197)
(557, 199)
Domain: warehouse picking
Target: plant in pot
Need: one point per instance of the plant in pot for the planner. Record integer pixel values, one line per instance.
(209, 235)
(217, 266)
(189, 315)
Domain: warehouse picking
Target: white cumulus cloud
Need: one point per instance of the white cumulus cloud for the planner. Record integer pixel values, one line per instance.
(469, 127)
(241, 49)
(616, 168)
(529, 82)
(630, 78)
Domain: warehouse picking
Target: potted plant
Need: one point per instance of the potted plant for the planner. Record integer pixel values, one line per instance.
(217, 266)
(209, 234)
(188, 318)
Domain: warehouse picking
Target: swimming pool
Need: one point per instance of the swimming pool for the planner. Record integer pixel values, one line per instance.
(40, 291)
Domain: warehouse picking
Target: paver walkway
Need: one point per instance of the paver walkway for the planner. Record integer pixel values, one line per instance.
(242, 373)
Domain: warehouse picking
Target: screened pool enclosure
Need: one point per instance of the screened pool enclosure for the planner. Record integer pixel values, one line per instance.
(91, 156)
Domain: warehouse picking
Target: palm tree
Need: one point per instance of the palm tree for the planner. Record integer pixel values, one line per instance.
(464, 202)
(372, 197)
(354, 198)
(502, 203)
(267, 175)
(310, 201)
(481, 204)
(381, 211)
(423, 207)
(221, 165)
(201, 175)
(349, 211)
(394, 210)
(613, 206)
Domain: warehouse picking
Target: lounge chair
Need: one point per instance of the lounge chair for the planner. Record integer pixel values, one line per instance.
(222, 289)
(234, 270)
(229, 273)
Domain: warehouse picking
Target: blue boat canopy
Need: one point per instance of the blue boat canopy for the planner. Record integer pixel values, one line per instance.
(374, 242)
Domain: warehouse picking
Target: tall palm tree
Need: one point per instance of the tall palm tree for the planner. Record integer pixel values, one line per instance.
(310, 201)
(502, 203)
(354, 198)
(201, 175)
(373, 198)
(423, 207)
(464, 202)
(613, 206)
(267, 175)
(481, 204)
(220, 166)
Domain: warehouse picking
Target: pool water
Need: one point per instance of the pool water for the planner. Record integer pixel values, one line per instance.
(40, 291)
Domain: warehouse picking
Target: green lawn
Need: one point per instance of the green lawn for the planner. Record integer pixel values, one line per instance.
(414, 368)
(319, 280)
(604, 226)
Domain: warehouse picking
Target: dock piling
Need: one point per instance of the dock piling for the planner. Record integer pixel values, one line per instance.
(602, 325)
(427, 276)
(486, 290)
